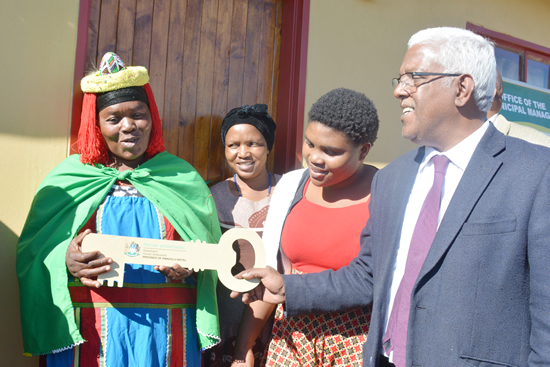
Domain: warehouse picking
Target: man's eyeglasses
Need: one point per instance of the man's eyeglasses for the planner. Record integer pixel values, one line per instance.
(406, 80)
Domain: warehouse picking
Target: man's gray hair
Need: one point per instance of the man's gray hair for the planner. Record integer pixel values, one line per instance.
(462, 51)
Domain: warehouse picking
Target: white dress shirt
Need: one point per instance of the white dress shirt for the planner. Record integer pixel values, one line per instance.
(459, 157)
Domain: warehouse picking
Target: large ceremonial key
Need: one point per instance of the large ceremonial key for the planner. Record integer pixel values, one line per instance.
(192, 255)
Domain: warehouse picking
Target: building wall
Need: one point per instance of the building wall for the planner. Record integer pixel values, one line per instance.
(38, 51)
(359, 44)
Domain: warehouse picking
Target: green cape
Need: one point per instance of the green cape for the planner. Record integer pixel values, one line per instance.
(64, 202)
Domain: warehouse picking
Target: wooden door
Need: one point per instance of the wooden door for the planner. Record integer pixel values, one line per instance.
(204, 58)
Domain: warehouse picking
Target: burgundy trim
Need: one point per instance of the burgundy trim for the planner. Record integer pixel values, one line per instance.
(292, 85)
(507, 40)
(79, 66)
(162, 296)
(292, 81)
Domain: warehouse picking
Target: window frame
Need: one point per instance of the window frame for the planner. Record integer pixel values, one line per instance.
(526, 50)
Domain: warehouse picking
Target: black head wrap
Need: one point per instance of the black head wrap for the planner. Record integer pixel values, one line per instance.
(104, 100)
(256, 116)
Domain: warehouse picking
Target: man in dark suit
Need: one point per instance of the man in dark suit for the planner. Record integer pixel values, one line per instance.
(455, 257)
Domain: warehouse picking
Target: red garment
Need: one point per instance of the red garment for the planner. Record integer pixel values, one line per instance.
(316, 238)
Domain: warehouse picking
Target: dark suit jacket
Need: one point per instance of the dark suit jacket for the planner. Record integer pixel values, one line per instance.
(483, 295)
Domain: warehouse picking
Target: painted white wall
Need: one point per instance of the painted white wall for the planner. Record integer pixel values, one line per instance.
(38, 46)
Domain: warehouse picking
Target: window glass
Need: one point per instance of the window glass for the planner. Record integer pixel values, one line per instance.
(519, 59)
(537, 73)
(508, 63)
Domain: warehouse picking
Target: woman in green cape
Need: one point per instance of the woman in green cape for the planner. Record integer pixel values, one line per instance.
(121, 183)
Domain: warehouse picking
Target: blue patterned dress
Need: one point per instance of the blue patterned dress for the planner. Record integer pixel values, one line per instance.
(150, 321)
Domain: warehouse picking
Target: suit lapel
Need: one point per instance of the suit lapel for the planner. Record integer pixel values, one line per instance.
(480, 171)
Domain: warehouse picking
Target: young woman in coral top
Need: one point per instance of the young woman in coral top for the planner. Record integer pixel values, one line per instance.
(314, 222)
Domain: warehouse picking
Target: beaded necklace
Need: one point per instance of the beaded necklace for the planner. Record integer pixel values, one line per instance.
(239, 190)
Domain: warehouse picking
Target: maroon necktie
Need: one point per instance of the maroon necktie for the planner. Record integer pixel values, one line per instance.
(424, 232)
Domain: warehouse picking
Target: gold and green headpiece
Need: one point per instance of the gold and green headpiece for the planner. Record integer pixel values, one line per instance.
(113, 74)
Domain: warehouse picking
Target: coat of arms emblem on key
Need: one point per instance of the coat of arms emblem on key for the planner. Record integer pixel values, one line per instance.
(196, 255)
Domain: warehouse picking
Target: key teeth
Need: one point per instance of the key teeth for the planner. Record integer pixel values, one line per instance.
(113, 282)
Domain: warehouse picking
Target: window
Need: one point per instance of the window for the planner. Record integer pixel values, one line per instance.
(518, 59)
(537, 73)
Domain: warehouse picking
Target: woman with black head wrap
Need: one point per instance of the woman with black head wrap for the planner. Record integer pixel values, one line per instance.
(248, 134)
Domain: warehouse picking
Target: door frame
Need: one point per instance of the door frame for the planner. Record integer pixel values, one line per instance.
(292, 81)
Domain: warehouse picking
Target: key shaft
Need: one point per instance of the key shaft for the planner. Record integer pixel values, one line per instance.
(194, 255)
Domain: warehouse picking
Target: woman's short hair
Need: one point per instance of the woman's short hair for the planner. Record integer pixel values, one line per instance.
(347, 111)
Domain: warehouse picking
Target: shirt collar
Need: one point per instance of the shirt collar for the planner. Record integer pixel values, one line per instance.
(460, 154)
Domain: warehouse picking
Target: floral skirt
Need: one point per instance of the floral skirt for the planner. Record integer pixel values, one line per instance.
(332, 339)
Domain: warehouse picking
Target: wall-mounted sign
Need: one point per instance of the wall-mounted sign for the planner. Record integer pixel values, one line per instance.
(526, 104)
